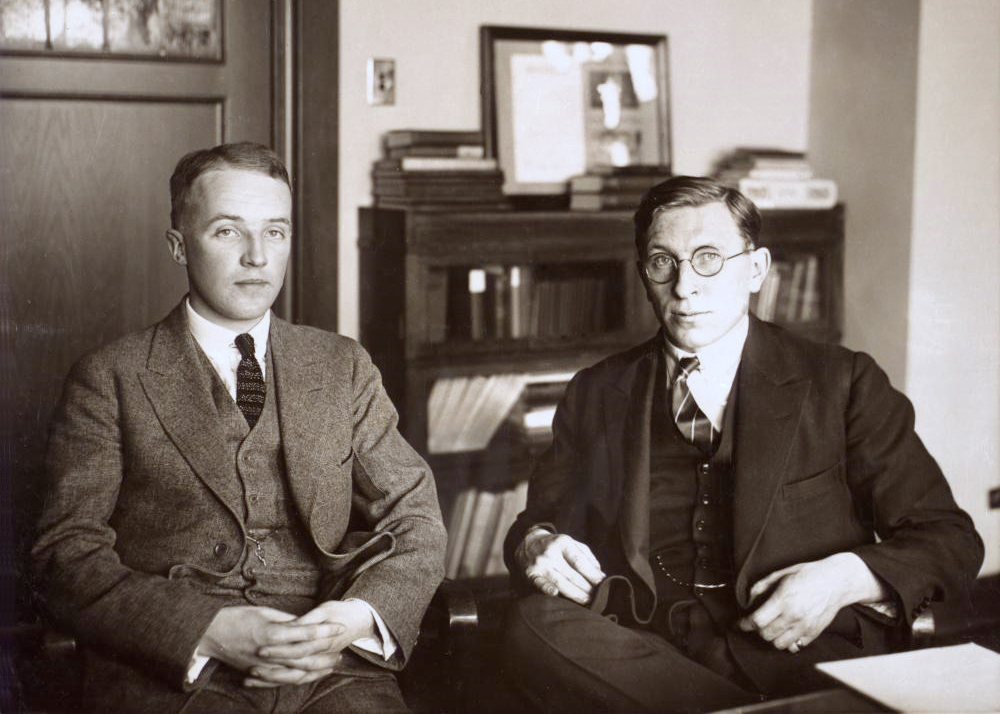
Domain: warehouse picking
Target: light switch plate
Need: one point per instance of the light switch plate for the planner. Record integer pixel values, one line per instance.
(381, 81)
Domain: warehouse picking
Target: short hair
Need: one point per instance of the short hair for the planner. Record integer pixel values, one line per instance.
(241, 155)
(694, 191)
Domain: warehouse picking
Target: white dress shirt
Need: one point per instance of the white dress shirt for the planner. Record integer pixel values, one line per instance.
(219, 345)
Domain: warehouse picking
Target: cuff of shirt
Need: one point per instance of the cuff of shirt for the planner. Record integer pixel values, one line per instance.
(198, 662)
(384, 644)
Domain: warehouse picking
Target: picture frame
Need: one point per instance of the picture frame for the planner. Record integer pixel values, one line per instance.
(558, 103)
(178, 30)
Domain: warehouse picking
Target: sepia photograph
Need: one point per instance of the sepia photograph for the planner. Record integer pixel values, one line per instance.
(468, 357)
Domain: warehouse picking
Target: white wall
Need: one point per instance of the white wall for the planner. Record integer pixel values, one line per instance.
(862, 125)
(905, 114)
(953, 365)
(739, 75)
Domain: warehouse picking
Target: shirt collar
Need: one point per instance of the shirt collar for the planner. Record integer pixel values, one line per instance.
(214, 338)
(722, 355)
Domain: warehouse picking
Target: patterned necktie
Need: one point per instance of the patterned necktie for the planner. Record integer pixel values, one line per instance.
(250, 389)
(691, 420)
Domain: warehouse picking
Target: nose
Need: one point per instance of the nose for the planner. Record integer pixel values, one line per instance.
(255, 251)
(686, 282)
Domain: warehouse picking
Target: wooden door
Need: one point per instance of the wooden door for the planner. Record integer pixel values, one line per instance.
(86, 150)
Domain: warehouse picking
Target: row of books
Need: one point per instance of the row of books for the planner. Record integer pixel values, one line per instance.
(776, 178)
(614, 188)
(477, 526)
(791, 291)
(436, 168)
(465, 412)
(519, 301)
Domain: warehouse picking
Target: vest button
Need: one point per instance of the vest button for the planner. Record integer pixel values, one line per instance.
(700, 525)
(220, 549)
(704, 468)
(705, 499)
(702, 562)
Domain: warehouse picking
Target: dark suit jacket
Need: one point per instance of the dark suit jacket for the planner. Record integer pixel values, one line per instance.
(142, 509)
(825, 459)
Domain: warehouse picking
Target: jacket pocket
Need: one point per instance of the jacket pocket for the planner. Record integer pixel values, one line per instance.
(818, 483)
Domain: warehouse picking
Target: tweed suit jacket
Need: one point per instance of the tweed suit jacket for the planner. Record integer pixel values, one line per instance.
(825, 460)
(142, 510)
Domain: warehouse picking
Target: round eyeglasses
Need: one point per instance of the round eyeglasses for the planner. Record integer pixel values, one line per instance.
(706, 262)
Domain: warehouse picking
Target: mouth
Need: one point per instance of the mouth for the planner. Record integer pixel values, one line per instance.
(252, 282)
(687, 314)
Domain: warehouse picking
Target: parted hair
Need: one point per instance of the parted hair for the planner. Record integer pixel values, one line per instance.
(241, 155)
(694, 191)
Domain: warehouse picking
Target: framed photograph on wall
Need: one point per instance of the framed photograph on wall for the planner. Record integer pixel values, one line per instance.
(557, 103)
(188, 30)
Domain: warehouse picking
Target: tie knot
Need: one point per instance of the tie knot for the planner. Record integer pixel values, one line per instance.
(244, 343)
(685, 366)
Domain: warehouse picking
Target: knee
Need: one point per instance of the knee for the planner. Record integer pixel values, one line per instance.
(521, 626)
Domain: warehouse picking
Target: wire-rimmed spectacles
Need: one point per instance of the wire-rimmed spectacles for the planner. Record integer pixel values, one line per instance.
(706, 262)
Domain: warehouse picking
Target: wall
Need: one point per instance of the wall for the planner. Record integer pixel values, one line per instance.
(953, 365)
(739, 73)
(861, 133)
(905, 114)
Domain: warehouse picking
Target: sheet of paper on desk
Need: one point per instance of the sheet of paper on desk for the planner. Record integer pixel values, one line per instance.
(962, 678)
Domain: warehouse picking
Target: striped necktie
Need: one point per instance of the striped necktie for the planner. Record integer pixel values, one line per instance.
(250, 389)
(691, 420)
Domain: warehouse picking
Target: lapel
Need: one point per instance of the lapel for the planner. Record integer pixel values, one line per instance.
(628, 404)
(180, 392)
(770, 396)
(314, 420)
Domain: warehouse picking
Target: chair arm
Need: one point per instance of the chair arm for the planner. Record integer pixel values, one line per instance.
(923, 628)
(455, 603)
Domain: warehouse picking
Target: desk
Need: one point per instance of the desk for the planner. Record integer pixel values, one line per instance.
(836, 700)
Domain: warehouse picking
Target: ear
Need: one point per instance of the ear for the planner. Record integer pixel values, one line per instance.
(650, 295)
(760, 264)
(175, 239)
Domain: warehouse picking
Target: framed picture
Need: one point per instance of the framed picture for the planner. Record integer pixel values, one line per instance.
(558, 103)
(124, 29)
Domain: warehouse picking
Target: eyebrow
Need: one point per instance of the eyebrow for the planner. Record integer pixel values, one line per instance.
(240, 219)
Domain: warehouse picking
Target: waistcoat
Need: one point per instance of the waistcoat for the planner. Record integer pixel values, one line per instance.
(277, 567)
(691, 523)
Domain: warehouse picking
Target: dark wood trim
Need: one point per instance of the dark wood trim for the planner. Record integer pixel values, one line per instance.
(316, 158)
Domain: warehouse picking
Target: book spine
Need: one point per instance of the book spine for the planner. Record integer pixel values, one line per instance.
(465, 151)
(431, 137)
(811, 193)
(436, 163)
(601, 201)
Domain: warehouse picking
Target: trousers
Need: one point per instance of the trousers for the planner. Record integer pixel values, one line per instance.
(565, 658)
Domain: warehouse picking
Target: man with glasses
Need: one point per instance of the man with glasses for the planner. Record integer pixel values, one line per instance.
(727, 504)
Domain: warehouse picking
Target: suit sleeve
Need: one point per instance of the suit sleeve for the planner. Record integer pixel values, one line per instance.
(146, 619)
(928, 548)
(556, 493)
(395, 493)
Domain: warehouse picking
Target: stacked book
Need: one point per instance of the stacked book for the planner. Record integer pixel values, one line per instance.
(465, 412)
(433, 168)
(791, 291)
(776, 178)
(614, 188)
(499, 302)
(478, 524)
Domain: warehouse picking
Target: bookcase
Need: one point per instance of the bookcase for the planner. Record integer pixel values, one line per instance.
(477, 319)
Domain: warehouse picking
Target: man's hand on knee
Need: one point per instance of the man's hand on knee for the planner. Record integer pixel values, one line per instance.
(558, 565)
(802, 600)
